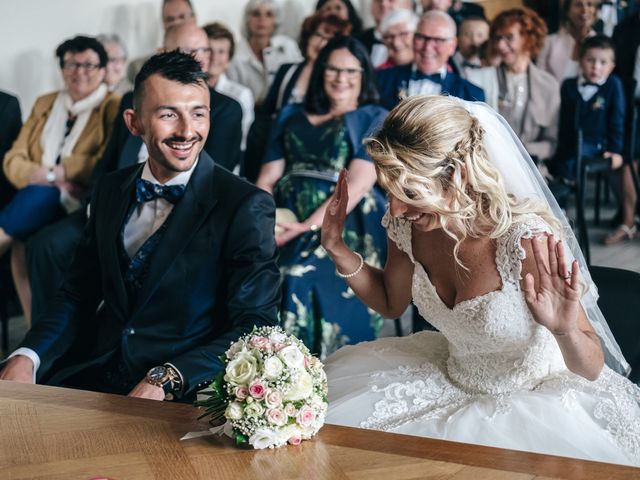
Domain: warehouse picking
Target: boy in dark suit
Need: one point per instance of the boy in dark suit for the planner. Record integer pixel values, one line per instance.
(594, 102)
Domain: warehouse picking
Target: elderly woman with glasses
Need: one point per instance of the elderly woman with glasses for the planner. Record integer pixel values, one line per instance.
(52, 159)
(397, 28)
(309, 145)
(261, 51)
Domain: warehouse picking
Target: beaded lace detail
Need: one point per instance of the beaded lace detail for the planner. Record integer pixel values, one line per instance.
(491, 349)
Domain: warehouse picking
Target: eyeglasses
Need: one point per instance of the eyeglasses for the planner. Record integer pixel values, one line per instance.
(117, 59)
(390, 37)
(331, 71)
(320, 36)
(196, 51)
(424, 39)
(70, 66)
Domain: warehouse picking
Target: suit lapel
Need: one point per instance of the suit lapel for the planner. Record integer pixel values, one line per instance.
(185, 220)
(447, 83)
(115, 219)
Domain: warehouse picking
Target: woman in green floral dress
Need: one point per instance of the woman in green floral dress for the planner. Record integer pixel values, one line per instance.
(309, 145)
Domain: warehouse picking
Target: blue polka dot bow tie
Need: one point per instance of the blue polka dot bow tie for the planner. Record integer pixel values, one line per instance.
(435, 77)
(147, 191)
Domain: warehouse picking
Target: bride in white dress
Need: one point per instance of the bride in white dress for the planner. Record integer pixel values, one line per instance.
(472, 242)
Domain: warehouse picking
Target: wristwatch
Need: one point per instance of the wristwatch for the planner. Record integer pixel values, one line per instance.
(51, 175)
(166, 377)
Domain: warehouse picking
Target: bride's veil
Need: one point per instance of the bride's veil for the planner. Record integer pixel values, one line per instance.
(523, 180)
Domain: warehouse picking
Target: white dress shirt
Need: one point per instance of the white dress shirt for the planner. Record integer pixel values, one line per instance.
(588, 91)
(144, 221)
(425, 86)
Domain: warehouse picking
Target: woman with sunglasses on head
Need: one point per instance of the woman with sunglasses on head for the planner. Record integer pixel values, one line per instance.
(51, 161)
(309, 145)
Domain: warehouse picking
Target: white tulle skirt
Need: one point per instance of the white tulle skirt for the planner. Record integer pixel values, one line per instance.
(401, 385)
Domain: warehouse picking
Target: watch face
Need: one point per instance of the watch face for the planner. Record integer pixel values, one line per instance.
(157, 374)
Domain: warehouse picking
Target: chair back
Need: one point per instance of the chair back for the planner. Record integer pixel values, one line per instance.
(620, 304)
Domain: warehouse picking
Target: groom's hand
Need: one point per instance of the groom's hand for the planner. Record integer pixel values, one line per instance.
(145, 390)
(18, 369)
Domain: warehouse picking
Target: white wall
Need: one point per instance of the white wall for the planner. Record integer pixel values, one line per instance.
(31, 30)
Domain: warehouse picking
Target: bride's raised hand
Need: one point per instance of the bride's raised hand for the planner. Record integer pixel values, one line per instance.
(555, 301)
(335, 215)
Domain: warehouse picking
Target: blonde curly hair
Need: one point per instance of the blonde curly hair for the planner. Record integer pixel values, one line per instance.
(430, 154)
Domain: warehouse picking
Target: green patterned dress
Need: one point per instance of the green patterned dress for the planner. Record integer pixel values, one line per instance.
(318, 306)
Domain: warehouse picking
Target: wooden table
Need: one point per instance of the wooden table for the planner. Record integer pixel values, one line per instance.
(56, 433)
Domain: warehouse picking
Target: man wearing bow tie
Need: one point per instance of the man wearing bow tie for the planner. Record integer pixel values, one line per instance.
(180, 253)
(433, 43)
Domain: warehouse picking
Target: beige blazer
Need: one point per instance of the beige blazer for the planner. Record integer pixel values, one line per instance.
(540, 124)
(26, 153)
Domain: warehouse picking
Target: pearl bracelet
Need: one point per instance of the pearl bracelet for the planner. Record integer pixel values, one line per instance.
(357, 271)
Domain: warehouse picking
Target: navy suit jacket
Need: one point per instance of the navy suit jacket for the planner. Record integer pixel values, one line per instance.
(393, 81)
(211, 279)
(601, 118)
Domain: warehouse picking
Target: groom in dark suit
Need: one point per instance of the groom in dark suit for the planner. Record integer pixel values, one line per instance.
(179, 252)
(433, 43)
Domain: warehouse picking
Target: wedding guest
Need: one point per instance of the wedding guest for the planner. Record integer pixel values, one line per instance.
(179, 251)
(559, 56)
(595, 103)
(626, 38)
(524, 94)
(222, 49)
(398, 28)
(371, 37)
(308, 146)
(433, 43)
(261, 50)
(473, 34)
(51, 161)
(290, 84)
(116, 64)
(51, 249)
(292, 80)
(174, 12)
(343, 9)
(11, 121)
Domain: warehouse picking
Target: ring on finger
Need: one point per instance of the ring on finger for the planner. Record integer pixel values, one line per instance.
(566, 277)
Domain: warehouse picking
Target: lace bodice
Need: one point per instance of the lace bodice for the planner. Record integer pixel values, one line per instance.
(494, 344)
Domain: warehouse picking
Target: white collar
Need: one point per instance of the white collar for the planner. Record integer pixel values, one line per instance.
(582, 81)
(181, 179)
(222, 81)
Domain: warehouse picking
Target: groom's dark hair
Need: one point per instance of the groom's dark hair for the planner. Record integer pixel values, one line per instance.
(175, 66)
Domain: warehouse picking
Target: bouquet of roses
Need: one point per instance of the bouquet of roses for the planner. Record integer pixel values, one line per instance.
(271, 392)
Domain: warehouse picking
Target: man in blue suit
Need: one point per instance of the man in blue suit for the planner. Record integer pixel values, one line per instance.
(433, 43)
(179, 252)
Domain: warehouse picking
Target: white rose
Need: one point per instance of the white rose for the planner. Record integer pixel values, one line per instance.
(292, 357)
(273, 398)
(234, 411)
(241, 370)
(302, 387)
(264, 438)
(277, 337)
(273, 368)
(253, 410)
(276, 417)
(237, 347)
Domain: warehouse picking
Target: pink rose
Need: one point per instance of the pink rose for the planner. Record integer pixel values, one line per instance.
(261, 343)
(276, 416)
(290, 410)
(295, 440)
(306, 416)
(257, 390)
(306, 362)
(278, 346)
(273, 398)
(241, 393)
